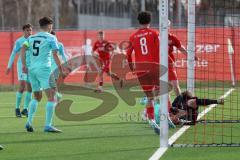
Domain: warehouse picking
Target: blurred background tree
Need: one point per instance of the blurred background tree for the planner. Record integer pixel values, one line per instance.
(95, 14)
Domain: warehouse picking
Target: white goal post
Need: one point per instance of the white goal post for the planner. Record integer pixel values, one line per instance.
(191, 46)
(163, 28)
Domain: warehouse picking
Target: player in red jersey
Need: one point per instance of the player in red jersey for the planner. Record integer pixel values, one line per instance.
(102, 49)
(173, 41)
(145, 44)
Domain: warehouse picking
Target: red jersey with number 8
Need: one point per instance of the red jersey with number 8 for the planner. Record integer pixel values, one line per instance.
(145, 43)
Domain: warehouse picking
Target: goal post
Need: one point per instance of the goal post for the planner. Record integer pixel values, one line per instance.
(163, 28)
(191, 46)
(212, 37)
(210, 77)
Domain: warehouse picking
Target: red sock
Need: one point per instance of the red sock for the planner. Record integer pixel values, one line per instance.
(169, 105)
(150, 111)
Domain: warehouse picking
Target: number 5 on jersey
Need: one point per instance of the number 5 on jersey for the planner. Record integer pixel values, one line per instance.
(143, 43)
(36, 47)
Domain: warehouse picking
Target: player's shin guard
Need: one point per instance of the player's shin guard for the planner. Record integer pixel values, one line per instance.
(27, 100)
(32, 110)
(49, 113)
(18, 99)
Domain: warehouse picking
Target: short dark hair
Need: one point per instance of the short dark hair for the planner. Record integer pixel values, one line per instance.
(187, 94)
(45, 21)
(100, 32)
(53, 33)
(144, 17)
(25, 26)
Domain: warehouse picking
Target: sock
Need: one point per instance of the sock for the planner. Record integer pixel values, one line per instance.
(150, 110)
(32, 110)
(169, 105)
(27, 100)
(49, 113)
(100, 85)
(18, 99)
(205, 102)
(156, 113)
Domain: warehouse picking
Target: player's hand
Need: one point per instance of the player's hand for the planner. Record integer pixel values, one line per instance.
(196, 58)
(7, 71)
(61, 74)
(96, 56)
(66, 71)
(220, 101)
(24, 69)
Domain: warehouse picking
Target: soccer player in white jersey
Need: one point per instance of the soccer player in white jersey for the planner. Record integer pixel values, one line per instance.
(88, 53)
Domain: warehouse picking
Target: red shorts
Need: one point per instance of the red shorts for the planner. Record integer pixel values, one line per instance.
(105, 63)
(148, 76)
(149, 84)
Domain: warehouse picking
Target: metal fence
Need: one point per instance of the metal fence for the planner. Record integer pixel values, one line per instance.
(112, 14)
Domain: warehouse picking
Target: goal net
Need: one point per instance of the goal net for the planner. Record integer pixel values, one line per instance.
(212, 36)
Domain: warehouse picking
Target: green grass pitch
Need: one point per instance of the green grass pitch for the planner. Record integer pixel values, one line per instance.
(113, 136)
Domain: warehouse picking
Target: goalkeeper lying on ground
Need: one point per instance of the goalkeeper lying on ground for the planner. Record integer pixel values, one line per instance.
(184, 109)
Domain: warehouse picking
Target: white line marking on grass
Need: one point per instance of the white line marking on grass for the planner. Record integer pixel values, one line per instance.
(75, 102)
(12, 116)
(205, 111)
(108, 115)
(159, 153)
(6, 103)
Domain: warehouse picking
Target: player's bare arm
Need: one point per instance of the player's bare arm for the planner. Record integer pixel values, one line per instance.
(23, 56)
(95, 54)
(7, 71)
(58, 62)
(184, 51)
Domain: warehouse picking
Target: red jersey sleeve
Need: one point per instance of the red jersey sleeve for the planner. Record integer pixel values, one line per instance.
(173, 42)
(130, 50)
(129, 53)
(95, 46)
(176, 42)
